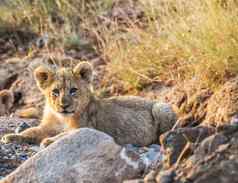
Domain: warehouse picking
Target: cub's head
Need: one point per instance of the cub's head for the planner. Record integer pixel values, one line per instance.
(66, 90)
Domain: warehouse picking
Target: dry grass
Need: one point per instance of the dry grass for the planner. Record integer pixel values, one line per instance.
(184, 40)
(179, 39)
(64, 21)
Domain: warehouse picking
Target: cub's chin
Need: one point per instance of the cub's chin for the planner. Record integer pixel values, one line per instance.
(67, 113)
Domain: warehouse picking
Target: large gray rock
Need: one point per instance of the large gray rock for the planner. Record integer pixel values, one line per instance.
(85, 155)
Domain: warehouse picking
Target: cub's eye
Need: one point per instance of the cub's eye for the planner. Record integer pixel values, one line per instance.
(73, 91)
(55, 92)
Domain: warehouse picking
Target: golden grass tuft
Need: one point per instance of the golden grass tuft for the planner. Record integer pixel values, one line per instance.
(183, 40)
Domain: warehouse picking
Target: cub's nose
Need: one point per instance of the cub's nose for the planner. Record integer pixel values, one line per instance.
(64, 106)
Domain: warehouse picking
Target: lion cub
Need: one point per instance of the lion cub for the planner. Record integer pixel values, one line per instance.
(71, 104)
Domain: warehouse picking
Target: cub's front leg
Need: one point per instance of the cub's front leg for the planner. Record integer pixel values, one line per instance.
(32, 135)
(47, 141)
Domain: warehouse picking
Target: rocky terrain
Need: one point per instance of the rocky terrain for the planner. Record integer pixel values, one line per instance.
(204, 138)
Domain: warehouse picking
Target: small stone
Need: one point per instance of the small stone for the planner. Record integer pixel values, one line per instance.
(35, 148)
(23, 126)
(166, 176)
(155, 146)
(152, 156)
(150, 177)
(23, 157)
(134, 181)
(42, 41)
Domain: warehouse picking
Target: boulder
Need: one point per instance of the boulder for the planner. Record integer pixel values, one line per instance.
(213, 160)
(85, 155)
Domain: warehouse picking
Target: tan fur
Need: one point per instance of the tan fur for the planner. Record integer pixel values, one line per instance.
(128, 119)
(30, 112)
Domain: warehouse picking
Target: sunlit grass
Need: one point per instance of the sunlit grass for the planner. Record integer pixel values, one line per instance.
(200, 42)
(179, 39)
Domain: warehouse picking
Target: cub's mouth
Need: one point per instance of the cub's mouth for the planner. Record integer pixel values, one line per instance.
(67, 112)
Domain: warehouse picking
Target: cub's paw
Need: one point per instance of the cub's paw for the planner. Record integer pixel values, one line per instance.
(10, 138)
(46, 142)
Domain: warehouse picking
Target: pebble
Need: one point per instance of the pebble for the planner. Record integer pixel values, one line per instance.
(149, 156)
(42, 41)
(152, 156)
(23, 126)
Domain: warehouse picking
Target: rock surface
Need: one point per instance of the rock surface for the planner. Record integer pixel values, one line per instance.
(190, 102)
(85, 155)
(223, 105)
(176, 142)
(213, 160)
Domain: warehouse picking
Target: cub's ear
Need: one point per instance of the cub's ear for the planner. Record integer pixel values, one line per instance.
(6, 98)
(43, 76)
(84, 70)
